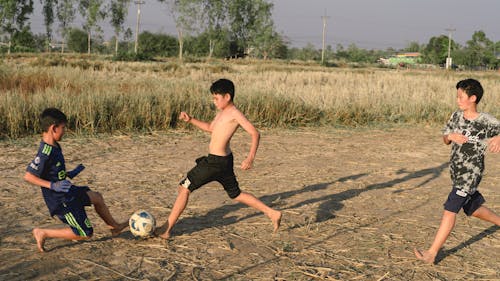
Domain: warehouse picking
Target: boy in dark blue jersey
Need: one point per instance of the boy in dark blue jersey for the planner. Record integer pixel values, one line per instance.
(63, 199)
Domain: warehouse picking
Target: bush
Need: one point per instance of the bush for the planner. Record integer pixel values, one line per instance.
(131, 56)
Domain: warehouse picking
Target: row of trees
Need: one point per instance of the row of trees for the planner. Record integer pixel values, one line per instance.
(218, 28)
(225, 26)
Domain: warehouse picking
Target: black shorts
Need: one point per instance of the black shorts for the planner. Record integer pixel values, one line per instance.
(72, 212)
(458, 199)
(213, 168)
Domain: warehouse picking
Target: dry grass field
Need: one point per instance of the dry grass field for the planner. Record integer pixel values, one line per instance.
(104, 96)
(353, 158)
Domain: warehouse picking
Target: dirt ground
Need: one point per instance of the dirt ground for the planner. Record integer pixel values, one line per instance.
(355, 203)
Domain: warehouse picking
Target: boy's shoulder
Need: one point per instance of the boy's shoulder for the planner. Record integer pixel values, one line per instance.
(489, 118)
(48, 150)
(45, 148)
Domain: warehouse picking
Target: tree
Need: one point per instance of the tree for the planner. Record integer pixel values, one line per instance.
(185, 15)
(119, 10)
(157, 44)
(213, 18)
(413, 47)
(309, 52)
(479, 51)
(77, 40)
(65, 14)
(265, 40)
(24, 41)
(48, 17)
(247, 18)
(13, 16)
(92, 13)
(436, 51)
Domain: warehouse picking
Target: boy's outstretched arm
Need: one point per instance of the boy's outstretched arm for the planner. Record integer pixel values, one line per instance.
(29, 177)
(250, 129)
(59, 186)
(198, 123)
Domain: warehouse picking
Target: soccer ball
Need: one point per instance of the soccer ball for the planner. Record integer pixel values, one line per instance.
(142, 224)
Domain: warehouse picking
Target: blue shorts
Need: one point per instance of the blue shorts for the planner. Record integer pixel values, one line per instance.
(72, 212)
(458, 199)
(213, 168)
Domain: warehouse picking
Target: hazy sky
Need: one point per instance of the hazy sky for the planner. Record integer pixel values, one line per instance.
(370, 24)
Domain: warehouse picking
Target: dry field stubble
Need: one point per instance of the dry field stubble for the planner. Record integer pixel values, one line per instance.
(355, 203)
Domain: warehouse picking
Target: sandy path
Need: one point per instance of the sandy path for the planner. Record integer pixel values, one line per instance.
(355, 204)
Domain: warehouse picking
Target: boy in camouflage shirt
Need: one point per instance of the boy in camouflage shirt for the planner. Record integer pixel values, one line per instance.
(470, 133)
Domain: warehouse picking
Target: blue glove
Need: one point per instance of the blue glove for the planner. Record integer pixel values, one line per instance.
(61, 186)
(75, 172)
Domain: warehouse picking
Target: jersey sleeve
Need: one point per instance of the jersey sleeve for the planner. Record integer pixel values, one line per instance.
(38, 164)
(450, 125)
(492, 126)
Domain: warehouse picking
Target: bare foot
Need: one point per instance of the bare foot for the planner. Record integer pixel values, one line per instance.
(165, 235)
(276, 219)
(40, 238)
(424, 256)
(118, 229)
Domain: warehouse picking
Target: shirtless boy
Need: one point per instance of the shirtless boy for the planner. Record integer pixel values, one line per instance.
(218, 165)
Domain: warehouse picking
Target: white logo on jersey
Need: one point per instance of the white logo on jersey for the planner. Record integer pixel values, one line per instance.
(470, 137)
(461, 193)
(186, 183)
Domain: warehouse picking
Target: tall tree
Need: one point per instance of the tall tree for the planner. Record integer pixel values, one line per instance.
(186, 15)
(48, 17)
(479, 51)
(249, 19)
(265, 41)
(91, 11)
(437, 50)
(119, 11)
(66, 15)
(14, 16)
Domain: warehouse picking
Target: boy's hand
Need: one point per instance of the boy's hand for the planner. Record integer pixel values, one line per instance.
(494, 144)
(76, 171)
(61, 186)
(184, 117)
(457, 138)
(246, 164)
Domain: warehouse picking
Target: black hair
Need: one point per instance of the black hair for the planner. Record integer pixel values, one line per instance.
(52, 116)
(223, 86)
(471, 87)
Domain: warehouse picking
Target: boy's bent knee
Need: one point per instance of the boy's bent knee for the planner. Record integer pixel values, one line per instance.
(95, 197)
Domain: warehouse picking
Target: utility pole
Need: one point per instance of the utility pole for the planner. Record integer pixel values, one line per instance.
(138, 3)
(448, 59)
(324, 34)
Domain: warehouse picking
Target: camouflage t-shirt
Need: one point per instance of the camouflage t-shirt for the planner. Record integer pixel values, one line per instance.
(467, 160)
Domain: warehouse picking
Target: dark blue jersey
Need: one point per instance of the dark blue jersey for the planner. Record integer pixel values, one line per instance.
(49, 165)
